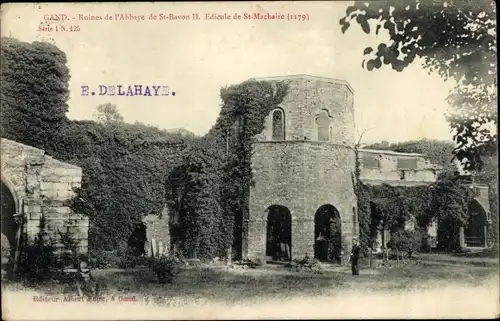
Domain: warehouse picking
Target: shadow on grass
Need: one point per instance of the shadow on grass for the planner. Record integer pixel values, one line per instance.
(221, 284)
(232, 285)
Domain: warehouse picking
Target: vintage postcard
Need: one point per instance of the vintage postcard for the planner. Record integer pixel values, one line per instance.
(249, 160)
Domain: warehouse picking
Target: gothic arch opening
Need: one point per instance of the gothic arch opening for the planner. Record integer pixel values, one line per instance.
(278, 124)
(327, 234)
(475, 230)
(9, 227)
(279, 233)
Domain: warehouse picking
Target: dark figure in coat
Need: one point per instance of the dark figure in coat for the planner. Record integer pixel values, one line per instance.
(354, 257)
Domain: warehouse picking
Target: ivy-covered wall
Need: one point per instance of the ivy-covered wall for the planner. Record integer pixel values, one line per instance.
(445, 200)
(227, 179)
(210, 189)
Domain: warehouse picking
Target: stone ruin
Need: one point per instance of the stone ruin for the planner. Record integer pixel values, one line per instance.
(36, 191)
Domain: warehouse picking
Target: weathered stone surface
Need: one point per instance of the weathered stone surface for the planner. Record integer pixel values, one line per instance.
(307, 96)
(388, 167)
(42, 187)
(157, 231)
(35, 215)
(312, 163)
(300, 172)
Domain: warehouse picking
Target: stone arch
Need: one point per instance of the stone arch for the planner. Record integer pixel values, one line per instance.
(9, 226)
(327, 234)
(278, 124)
(323, 122)
(279, 233)
(13, 191)
(475, 230)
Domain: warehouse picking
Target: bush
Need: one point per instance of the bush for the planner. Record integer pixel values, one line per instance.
(38, 261)
(105, 259)
(6, 256)
(307, 262)
(130, 261)
(166, 268)
(428, 242)
(492, 251)
(405, 241)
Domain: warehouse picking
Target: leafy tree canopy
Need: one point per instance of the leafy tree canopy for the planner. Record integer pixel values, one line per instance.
(34, 92)
(455, 38)
(108, 114)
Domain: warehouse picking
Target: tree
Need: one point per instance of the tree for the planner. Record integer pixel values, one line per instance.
(489, 176)
(34, 92)
(456, 39)
(449, 200)
(108, 114)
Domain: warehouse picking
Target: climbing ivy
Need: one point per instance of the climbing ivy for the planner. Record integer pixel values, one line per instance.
(212, 185)
(445, 200)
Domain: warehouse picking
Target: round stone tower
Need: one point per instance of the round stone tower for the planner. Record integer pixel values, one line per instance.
(303, 200)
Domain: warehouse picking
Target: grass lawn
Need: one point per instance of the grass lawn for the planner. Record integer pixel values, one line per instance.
(220, 285)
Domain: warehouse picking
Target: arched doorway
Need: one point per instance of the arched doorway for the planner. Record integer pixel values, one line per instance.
(475, 230)
(327, 234)
(136, 244)
(279, 233)
(9, 228)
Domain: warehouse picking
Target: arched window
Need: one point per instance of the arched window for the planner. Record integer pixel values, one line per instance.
(278, 124)
(323, 124)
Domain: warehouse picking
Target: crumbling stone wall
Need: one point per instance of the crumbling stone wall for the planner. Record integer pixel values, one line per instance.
(42, 187)
(302, 173)
(388, 166)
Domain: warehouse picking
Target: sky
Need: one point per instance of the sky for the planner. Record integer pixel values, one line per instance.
(196, 58)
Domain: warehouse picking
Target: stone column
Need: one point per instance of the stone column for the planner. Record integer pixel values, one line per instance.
(302, 238)
(347, 235)
(379, 240)
(20, 220)
(485, 236)
(33, 215)
(461, 237)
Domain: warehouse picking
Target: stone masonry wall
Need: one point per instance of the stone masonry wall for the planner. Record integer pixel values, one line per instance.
(301, 173)
(306, 97)
(385, 166)
(157, 234)
(301, 176)
(42, 187)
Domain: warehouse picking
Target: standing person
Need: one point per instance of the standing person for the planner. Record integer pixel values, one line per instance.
(354, 257)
